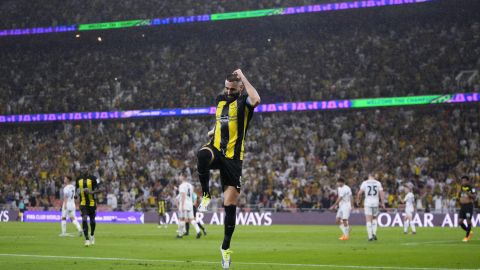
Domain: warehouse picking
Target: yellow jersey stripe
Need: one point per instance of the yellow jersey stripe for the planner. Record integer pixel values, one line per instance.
(82, 194)
(218, 125)
(233, 129)
(245, 123)
(90, 195)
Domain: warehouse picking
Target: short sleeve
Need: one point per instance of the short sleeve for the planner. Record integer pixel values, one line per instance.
(95, 182)
(380, 188)
(362, 186)
(247, 102)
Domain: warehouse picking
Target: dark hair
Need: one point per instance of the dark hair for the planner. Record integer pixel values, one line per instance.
(341, 180)
(465, 177)
(232, 78)
(69, 178)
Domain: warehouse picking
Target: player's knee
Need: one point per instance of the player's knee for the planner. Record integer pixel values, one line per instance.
(204, 158)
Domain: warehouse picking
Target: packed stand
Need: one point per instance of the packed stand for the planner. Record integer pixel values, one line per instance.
(301, 60)
(291, 162)
(28, 14)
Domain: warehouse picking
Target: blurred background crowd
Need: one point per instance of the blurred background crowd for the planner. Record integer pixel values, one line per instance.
(291, 58)
(56, 12)
(292, 159)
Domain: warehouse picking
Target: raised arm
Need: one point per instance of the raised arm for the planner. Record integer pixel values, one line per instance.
(251, 91)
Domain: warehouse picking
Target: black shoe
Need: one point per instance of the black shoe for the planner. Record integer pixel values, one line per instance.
(375, 237)
(370, 239)
(186, 234)
(179, 237)
(199, 234)
(204, 232)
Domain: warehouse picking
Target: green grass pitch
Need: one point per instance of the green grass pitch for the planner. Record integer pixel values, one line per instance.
(37, 246)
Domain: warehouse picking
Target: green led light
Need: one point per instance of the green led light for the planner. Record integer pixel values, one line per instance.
(395, 101)
(246, 14)
(112, 25)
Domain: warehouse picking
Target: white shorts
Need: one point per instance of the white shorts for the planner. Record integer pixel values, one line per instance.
(371, 211)
(68, 212)
(187, 214)
(409, 212)
(343, 212)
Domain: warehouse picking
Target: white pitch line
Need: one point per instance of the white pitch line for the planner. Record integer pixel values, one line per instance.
(241, 263)
(429, 242)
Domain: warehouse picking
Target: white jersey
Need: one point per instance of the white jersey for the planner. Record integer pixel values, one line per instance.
(69, 197)
(186, 188)
(409, 201)
(345, 193)
(371, 188)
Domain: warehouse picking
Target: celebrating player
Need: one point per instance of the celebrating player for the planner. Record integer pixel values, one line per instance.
(88, 187)
(373, 191)
(68, 206)
(185, 208)
(409, 202)
(226, 149)
(345, 204)
(466, 197)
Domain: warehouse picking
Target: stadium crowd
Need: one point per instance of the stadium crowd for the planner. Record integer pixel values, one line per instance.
(292, 159)
(287, 65)
(53, 13)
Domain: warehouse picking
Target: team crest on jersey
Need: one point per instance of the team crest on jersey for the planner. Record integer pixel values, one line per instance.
(224, 119)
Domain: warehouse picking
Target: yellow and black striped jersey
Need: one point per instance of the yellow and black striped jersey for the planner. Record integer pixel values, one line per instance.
(231, 124)
(467, 191)
(91, 183)
(162, 207)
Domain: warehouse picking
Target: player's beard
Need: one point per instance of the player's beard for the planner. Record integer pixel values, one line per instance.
(232, 97)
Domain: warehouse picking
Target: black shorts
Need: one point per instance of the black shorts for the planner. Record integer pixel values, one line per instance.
(466, 211)
(230, 169)
(90, 211)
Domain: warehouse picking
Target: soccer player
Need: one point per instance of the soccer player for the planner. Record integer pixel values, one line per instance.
(88, 186)
(68, 206)
(162, 205)
(185, 208)
(373, 191)
(198, 221)
(345, 204)
(466, 197)
(409, 202)
(226, 149)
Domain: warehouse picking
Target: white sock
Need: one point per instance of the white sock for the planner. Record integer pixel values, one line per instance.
(405, 226)
(413, 226)
(374, 227)
(64, 226)
(195, 226)
(75, 222)
(342, 228)
(346, 231)
(369, 230)
(181, 228)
